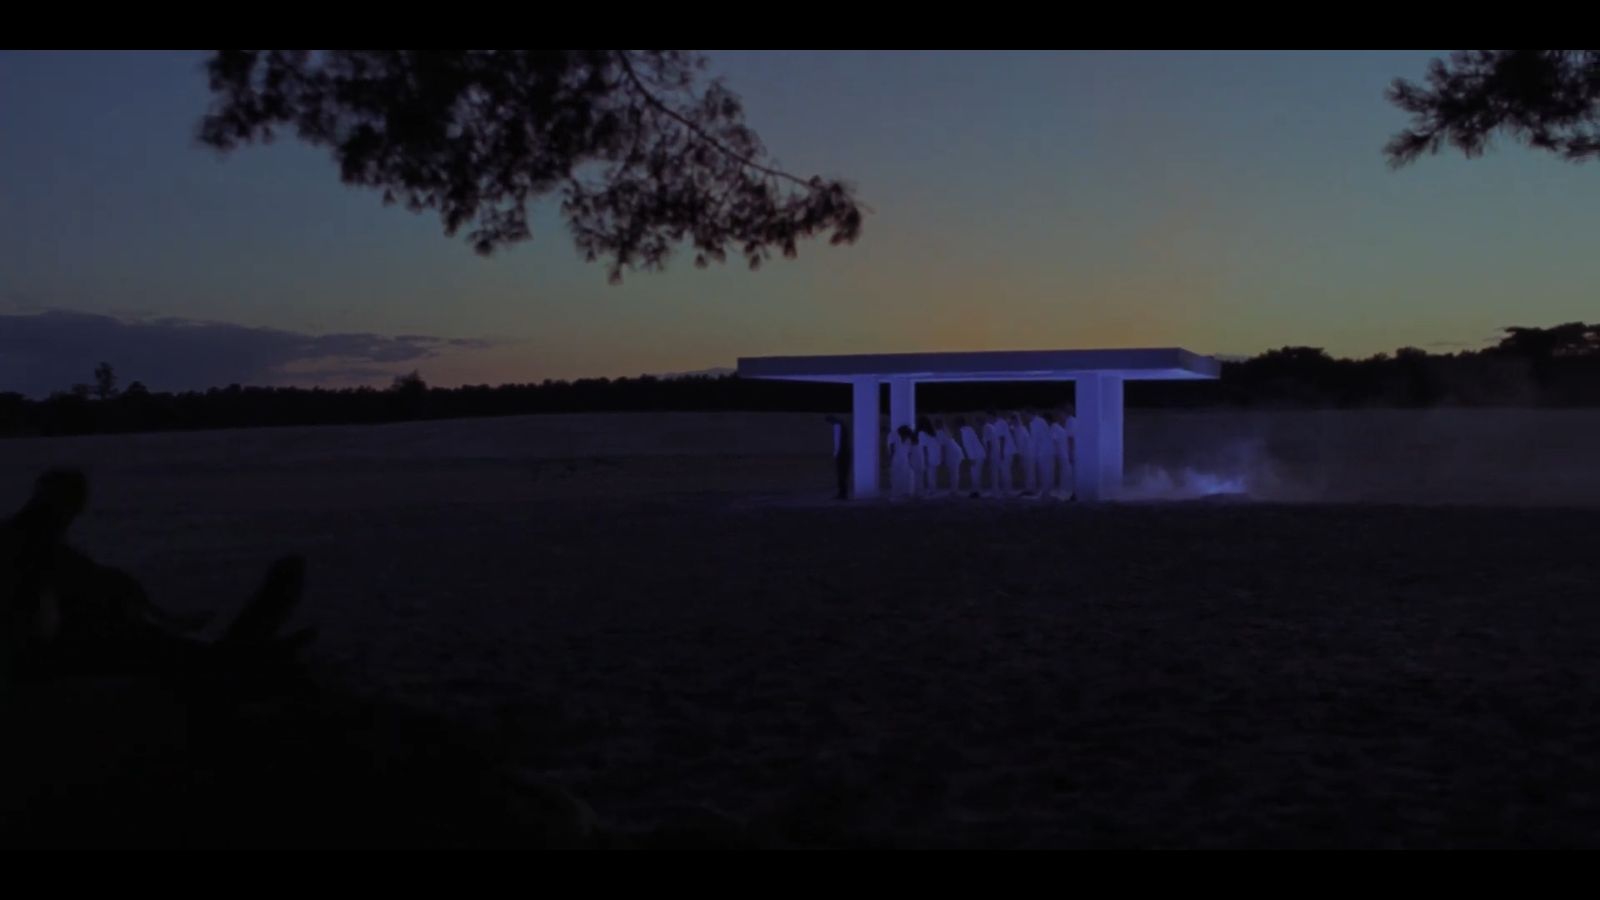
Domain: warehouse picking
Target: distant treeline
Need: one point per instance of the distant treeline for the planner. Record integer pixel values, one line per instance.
(1557, 366)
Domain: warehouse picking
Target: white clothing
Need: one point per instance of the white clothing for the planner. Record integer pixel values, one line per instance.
(1001, 449)
(1060, 443)
(1044, 457)
(953, 457)
(919, 460)
(1030, 471)
(971, 445)
(930, 449)
(901, 478)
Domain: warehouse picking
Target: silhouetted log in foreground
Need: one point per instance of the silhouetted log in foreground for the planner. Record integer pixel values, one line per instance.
(120, 734)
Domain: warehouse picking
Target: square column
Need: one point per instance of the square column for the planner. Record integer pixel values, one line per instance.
(866, 444)
(902, 403)
(1098, 474)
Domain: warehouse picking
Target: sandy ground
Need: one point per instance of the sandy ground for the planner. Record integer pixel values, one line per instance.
(663, 615)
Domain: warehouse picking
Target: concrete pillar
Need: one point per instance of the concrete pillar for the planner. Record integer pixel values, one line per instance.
(902, 403)
(866, 443)
(1098, 475)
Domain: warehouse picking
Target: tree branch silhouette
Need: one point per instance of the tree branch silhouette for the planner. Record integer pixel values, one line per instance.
(477, 136)
(1547, 99)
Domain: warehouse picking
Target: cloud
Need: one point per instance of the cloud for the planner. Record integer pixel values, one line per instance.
(51, 350)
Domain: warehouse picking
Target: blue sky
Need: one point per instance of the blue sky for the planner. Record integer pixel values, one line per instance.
(1225, 202)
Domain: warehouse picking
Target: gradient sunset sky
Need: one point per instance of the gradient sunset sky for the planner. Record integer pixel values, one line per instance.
(1223, 202)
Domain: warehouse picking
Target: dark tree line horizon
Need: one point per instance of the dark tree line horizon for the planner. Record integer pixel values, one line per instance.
(1529, 367)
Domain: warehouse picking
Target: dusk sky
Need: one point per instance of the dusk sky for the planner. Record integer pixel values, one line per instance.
(1223, 202)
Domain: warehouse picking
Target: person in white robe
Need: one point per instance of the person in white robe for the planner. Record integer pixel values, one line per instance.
(991, 452)
(1001, 448)
(1061, 434)
(951, 454)
(1024, 441)
(972, 447)
(1044, 456)
(902, 450)
(918, 458)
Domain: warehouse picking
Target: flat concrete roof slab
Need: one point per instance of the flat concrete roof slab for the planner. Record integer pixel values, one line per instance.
(1157, 364)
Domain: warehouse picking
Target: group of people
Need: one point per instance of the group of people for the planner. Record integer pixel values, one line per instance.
(1030, 453)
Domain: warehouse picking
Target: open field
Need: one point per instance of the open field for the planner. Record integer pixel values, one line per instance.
(1395, 645)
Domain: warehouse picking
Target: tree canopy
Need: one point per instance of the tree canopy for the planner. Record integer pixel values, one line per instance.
(643, 153)
(1547, 99)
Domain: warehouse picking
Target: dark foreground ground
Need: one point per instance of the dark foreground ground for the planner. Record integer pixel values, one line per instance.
(637, 630)
(730, 670)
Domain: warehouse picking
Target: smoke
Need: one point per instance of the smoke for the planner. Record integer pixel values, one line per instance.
(1444, 455)
(1237, 467)
(1156, 483)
